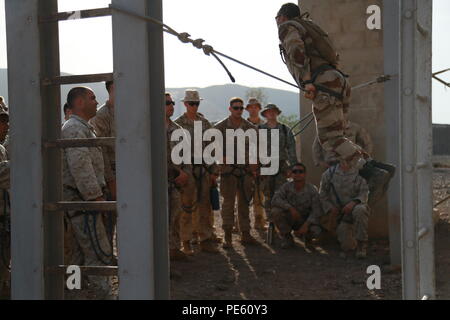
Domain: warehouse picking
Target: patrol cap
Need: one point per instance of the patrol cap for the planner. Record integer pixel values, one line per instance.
(270, 106)
(253, 101)
(290, 10)
(191, 95)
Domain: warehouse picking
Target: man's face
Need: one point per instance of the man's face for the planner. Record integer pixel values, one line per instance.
(169, 106)
(298, 173)
(271, 115)
(253, 110)
(281, 19)
(192, 106)
(236, 109)
(4, 126)
(90, 104)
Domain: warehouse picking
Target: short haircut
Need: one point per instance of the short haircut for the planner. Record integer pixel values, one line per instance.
(298, 164)
(168, 94)
(74, 93)
(108, 85)
(289, 10)
(236, 99)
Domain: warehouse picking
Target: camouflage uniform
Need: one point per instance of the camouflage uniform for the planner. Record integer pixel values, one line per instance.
(258, 196)
(235, 180)
(5, 248)
(306, 202)
(354, 132)
(287, 156)
(83, 180)
(303, 61)
(201, 219)
(349, 186)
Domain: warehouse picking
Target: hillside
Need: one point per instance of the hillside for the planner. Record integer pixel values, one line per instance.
(215, 105)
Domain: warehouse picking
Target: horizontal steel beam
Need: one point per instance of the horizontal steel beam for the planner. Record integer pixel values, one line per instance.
(87, 270)
(86, 78)
(81, 143)
(81, 206)
(75, 15)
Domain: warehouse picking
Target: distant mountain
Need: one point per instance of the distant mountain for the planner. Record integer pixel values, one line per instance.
(215, 103)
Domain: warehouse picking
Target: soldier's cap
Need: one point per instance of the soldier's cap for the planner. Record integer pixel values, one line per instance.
(253, 101)
(191, 95)
(270, 106)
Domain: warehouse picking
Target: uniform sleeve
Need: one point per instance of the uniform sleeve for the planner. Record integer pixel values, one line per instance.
(213, 168)
(103, 129)
(4, 175)
(294, 46)
(363, 190)
(317, 152)
(325, 193)
(316, 207)
(363, 139)
(280, 198)
(81, 168)
(291, 148)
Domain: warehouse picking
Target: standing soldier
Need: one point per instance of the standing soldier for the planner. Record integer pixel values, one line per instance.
(344, 195)
(287, 154)
(177, 179)
(312, 60)
(204, 176)
(105, 126)
(84, 180)
(236, 180)
(5, 218)
(254, 108)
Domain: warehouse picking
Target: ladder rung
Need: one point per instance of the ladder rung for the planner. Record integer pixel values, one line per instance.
(75, 15)
(88, 270)
(80, 143)
(81, 206)
(86, 78)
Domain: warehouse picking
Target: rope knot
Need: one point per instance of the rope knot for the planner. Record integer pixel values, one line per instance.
(207, 49)
(198, 43)
(184, 37)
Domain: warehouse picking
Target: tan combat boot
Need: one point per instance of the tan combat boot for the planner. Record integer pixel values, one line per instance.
(187, 249)
(246, 238)
(228, 242)
(209, 246)
(361, 250)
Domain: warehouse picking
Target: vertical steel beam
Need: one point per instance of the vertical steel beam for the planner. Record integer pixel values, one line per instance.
(391, 35)
(158, 153)
(415, 148)
(26, 156)
(134, 150)
(52, 164)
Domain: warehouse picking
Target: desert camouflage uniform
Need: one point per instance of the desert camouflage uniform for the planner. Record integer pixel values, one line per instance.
(236, 180)
(83, 180)
(349, 186)
(306, 202)
(287, 157)
(355, 133)
(5, 234)
(201, 219)
(258, 196)
(303, 60)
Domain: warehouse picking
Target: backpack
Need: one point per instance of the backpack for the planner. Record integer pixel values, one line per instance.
(316, 38)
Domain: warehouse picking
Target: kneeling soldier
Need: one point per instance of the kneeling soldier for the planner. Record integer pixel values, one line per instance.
(296, 206)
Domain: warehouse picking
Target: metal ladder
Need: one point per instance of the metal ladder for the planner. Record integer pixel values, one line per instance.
(36, 181)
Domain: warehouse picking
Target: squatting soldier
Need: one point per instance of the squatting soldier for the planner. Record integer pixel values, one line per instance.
(312, 60)
(344, 195)
(84, 180)
(287, 153)
(296, 206)
(236, 180)
(105, 126)
(254, 108)
(204, 176)
(354, 132)
(5, 248)
(177, 179)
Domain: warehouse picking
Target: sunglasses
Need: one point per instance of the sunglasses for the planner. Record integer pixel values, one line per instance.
(168, 103)
(298, 171)
(238, 108)
(194, 104)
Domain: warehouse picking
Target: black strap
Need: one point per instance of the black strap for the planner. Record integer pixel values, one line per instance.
(320, 70)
